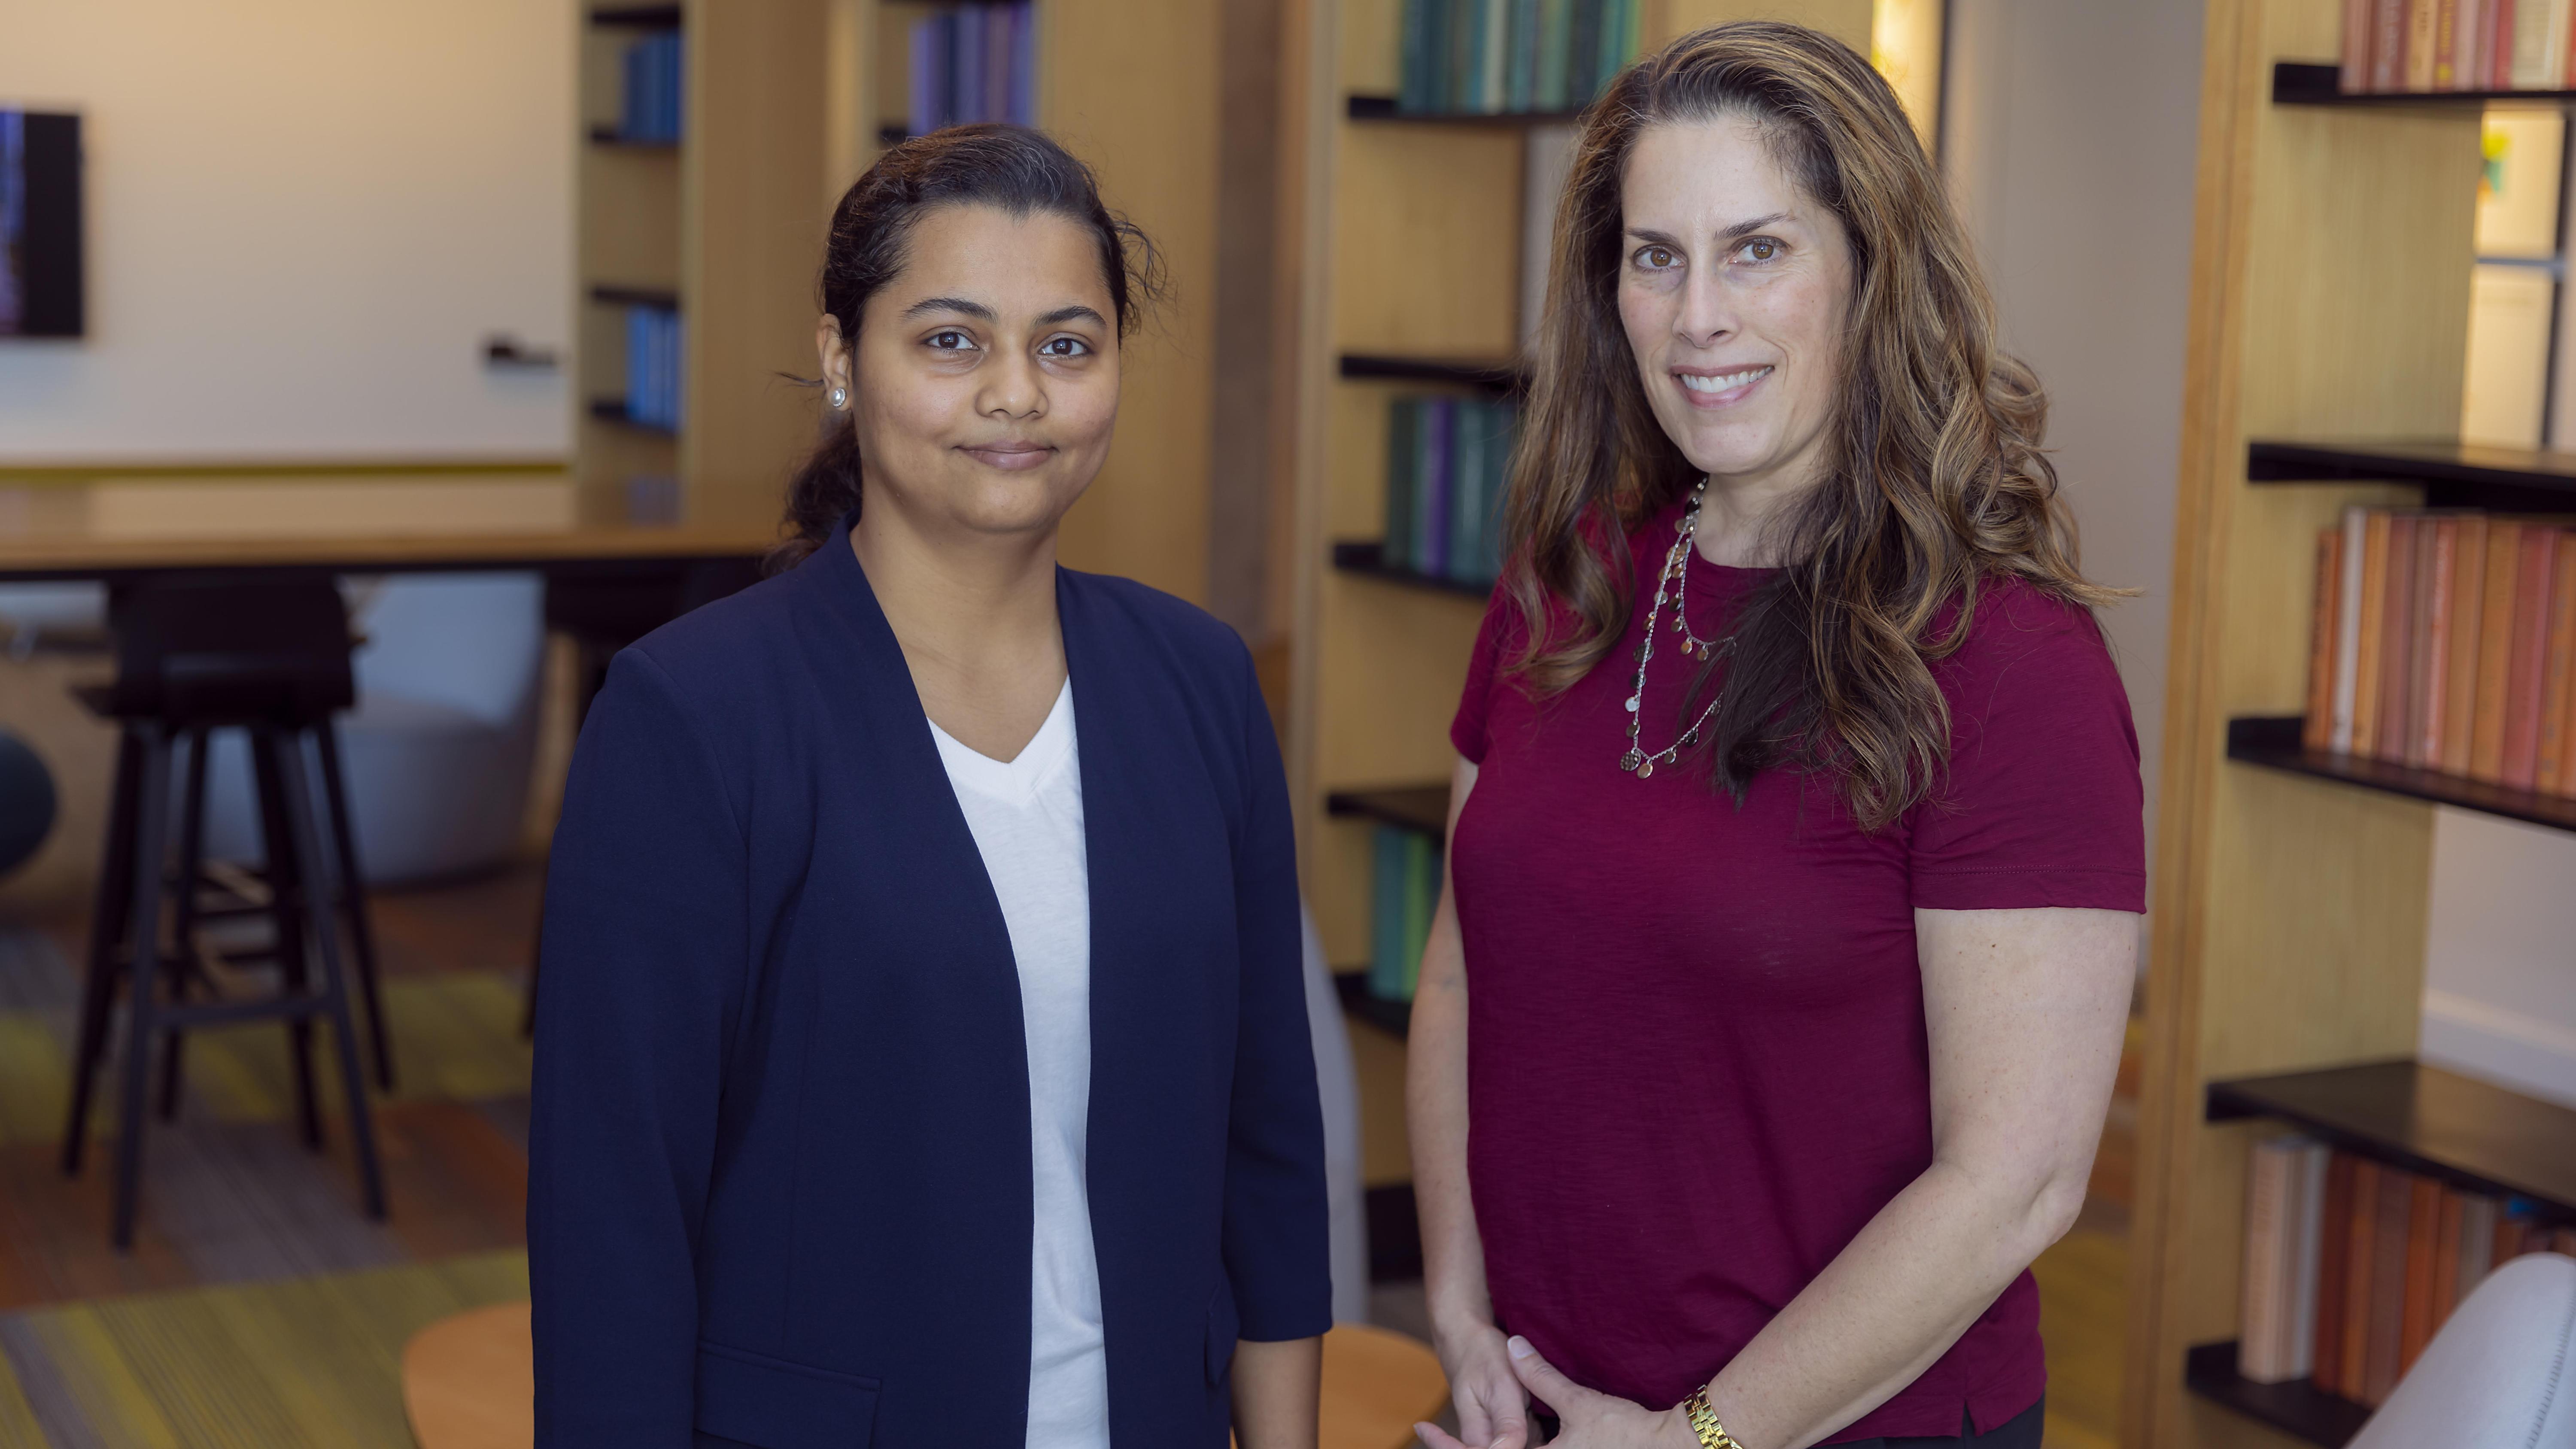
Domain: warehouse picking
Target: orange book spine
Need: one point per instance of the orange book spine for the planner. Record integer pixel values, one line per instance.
(2446, 1254)
(2318, 733)
(2374, 618)
(2423, 1270)
(2530, 658)
(2387, 1334)
(2468, 610)
(2436, 551)
(2397, 641)
(2446, 45)
(2560, 655)
(2355, 72)
(2361, 1251)
(2334, 1254)
(2495, 650)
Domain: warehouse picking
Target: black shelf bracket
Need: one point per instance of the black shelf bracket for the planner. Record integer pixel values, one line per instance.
(2297, 1408)
(2297, 83)
(2273, 742)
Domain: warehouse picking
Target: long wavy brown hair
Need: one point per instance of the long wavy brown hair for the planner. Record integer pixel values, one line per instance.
(1934, 481)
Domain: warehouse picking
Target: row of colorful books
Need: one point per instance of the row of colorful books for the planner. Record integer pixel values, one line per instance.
(649, 110)
(1492, 56)
(653, 367)
(1404, 890)
(2447, 641)
(2455, 45)
(974, 63)
(2350, 1265)
(1448, 460)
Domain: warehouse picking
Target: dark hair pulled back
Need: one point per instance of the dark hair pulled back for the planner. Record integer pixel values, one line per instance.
(1017, 168)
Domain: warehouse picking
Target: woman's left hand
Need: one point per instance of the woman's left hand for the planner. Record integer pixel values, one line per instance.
(1597, 1421)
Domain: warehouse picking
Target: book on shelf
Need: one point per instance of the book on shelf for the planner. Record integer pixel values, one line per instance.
(972, 63)
(649, 108)
(1447, 462)
(653, 366)
(2351, 1265)
(2454, 45)
(2446, 640)
(1490, 57)
(1404, 892)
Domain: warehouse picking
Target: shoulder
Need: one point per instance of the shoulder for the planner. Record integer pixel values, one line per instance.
(724, 662)
(1167, 629)
(2019, 628)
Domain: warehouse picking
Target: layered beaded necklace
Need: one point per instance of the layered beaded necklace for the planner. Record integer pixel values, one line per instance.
(1675, 583)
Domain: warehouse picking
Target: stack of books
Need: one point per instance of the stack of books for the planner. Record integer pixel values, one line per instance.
(1492, 56)
(974, 63)
(2454, 45)
(652, 100)
(2447, 641)
(2350, 1265)
(1403, 893)
(653, 367)
(1447, 462)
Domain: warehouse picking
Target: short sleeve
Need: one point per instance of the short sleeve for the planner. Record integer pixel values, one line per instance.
(1470, 730)
(2041, 804)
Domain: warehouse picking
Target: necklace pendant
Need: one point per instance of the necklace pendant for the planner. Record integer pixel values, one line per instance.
(1631, 760)
(1646, 770)
(1632, 704)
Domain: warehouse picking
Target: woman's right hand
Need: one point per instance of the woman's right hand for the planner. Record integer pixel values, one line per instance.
(1493, 1409)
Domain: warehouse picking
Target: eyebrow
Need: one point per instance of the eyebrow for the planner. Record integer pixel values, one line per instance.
(926, 305)
(1739, 229)
(1075, 313)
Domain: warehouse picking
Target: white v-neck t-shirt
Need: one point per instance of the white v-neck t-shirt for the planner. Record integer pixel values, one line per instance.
(1026, 816)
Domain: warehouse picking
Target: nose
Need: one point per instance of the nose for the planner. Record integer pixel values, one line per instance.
(1706, 316)
(1013, 387)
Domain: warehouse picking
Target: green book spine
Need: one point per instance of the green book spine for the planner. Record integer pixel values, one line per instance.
(1520, 89)
(1466, 55)
(1466, 509)
(1493, 71)
(1403, 465)
(1614, 42)
(1413, 90)
(1555, 28)
(1422, 898)
(1632, 39)
(1390, 888)
(1583, 54)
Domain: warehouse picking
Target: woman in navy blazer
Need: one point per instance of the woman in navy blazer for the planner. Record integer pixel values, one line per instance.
(781, 1186)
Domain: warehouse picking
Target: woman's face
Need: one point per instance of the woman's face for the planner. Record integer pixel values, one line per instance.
(1733, 288)
(985, 380)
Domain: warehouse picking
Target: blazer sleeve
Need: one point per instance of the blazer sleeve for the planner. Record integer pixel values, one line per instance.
(1277, 1249)
(640, 984)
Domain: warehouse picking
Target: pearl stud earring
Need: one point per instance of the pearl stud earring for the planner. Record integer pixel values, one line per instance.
(840, 397)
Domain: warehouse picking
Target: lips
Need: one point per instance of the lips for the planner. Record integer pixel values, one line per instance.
(1010, 457)
(1722, 387)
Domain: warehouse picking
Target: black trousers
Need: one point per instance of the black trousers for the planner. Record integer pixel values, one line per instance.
(2021, 1431)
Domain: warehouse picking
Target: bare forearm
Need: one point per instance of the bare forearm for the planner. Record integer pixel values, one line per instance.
(1276, 1386)
(1436, 1122)
(1888, 1306)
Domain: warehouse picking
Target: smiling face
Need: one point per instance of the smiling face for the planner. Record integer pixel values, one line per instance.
(985, 381)
(1733, 289)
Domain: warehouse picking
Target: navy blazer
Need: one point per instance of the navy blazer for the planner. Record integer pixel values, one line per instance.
(779, 1168)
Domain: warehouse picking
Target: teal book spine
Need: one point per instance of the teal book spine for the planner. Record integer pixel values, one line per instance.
(1421, 899)
(1403, 473)
(1466, 54)
(1476, 446)
(1520, 89)
(1438, 429)
(1390, 887)
(1614, 43)
(1493, 70)
(1582, 53)
(1555, 34)
(1414, 65)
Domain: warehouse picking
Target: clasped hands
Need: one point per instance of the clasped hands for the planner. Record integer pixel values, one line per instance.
(1493, 1379)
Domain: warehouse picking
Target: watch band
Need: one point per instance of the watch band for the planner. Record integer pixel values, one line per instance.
(1703, 1422)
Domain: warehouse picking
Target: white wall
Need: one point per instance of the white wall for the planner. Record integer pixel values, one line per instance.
(2071, 131)
(2500, 958)
(304, 216)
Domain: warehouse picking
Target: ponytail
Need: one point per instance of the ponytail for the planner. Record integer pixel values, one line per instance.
(824, 490)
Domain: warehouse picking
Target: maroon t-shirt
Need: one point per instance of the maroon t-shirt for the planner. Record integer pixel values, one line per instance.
(1696, 1052)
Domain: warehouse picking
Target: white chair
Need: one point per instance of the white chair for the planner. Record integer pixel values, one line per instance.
(1338, 1083)
(30, 613)
(2501, 1373)
(438, 750)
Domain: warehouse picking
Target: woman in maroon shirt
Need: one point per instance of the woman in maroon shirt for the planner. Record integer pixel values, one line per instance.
(1772, 1007)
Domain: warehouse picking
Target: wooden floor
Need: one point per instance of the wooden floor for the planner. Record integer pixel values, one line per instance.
(260, 1309)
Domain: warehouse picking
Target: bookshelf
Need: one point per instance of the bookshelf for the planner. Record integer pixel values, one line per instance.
(2296, 83)
(786, 102)
(2327, 338)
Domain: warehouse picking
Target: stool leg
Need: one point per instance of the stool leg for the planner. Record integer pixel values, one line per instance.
(353, 899)
(335, 987)
(150, 861)
(106, 923)
(289, 889)
(192, 863)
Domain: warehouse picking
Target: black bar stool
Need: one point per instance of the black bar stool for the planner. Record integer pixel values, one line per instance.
(194, 656)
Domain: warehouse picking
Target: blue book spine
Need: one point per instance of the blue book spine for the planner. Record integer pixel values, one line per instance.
(1024, 65)
(679, 369)
(1403, 457)
(1583, 53)
(630, 105)
(675, 53)
(1387, 914)
(921, 67)
(639, 355)
(1466, 464)
(1413, 66)
(970, 64)
(1467, 501)
(1520, 86)
(1431, 492)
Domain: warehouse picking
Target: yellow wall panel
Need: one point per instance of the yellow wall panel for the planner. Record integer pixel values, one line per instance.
(1426, 245)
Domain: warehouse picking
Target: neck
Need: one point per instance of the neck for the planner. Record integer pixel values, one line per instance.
(974, 612)
(1739, 513)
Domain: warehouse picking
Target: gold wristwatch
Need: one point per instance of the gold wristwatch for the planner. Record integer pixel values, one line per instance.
(1703, 1422)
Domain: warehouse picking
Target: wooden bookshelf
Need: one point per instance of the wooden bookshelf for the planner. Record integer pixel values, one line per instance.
(1489, 376)
(2327, 338)
(2299, 83)
(1385, 108)
(1408, 807)
(1367, 559)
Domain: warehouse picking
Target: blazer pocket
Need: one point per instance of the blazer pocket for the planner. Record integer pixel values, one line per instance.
(1223, 1328)
(775, 1404)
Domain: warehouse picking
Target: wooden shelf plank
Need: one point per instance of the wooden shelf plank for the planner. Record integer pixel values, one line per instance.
(611, 136)
(1387, 108)
(2298, 1408)
(2273, 742)
(1410, 807)
(2455, 474)
(2297, 84)
(667, 300)
(1501, 375)
(638, 17)
(1368, 558)
(613, 410)
(1392, 1017)
(2426, 1120)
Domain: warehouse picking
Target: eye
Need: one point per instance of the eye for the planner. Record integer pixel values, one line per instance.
(951, 340)
(1759, 249)
(1656, 259)
(1064, 347)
